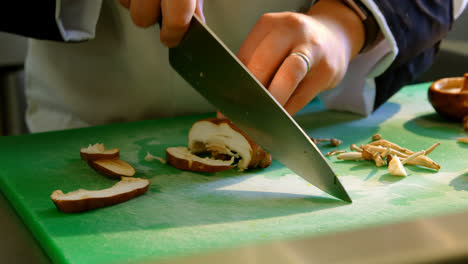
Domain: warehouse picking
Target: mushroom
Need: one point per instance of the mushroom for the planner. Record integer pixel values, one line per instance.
(334, 152)
(333, 141)
(355, 148)
(98, 151)
(183, 159)
(84, 200)
(412, 157)
(350, 156)
(386, 143)
(382, 149)
(224, 142)
(376, 137)
(113, 168)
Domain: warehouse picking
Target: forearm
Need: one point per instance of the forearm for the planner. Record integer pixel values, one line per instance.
(416, 25)
(343, 20)
(417, 39)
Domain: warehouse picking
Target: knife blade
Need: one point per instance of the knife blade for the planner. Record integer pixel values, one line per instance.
(206, 63)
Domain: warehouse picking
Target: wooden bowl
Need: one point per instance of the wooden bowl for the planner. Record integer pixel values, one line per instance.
(449, 97)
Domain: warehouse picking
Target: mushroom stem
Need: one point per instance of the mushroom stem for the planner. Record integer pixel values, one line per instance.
(386, 143)
(334, 152)
(424, 161)
(355, 148)
(431, 148)
(412, 157)
(382, 150)
(378, 159)
(386, 152)
(350, 156)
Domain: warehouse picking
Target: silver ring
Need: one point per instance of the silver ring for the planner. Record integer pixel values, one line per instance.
(305, 58)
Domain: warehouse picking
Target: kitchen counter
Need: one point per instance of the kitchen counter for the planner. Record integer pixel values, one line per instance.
(17, 244)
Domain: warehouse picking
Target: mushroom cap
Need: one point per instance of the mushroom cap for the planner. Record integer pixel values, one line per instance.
(223, 137)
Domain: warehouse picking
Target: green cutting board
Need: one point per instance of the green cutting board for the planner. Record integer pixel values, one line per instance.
(187, 213)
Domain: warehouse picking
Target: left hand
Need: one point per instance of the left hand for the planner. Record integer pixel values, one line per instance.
(267, 52)
(176, 16)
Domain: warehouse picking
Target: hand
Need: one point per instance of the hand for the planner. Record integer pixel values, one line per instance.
(330, 35)
(176, 16)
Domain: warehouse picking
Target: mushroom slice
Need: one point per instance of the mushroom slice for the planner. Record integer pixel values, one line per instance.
(182, 159)
(112, 168)
(221, 138)
(98, 151)
(84, 200)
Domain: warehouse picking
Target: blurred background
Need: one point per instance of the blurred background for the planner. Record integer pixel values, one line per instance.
(451, 61)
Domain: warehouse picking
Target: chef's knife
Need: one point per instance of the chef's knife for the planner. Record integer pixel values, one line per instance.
(205, 62)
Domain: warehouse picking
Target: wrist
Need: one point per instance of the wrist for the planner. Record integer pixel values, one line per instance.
(343, 21)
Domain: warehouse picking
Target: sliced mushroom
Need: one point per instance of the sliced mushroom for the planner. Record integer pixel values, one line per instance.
(98, 151)
(182, 159)
(113, 168)
(224, 140)
(84, 200)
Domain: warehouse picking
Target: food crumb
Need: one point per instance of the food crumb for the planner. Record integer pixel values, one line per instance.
(150, 158)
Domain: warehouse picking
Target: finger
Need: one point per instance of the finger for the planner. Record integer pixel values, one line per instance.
(255, 36)
(314, 83)
(291, 72)
(125, 3)
(145, 13)
(177, 15)
(268, 56)
(307, 90)
(199, 10)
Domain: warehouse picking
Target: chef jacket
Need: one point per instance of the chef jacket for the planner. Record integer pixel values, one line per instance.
(88, 64)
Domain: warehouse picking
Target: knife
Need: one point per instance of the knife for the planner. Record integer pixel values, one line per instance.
(206, 63)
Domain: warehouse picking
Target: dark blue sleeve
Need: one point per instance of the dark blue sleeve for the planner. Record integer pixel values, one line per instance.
(418, 26)
(35, 19)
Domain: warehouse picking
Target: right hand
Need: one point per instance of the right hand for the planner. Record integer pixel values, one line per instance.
(176, 16)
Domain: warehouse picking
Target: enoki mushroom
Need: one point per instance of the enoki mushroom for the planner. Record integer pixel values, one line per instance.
(382, 151)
